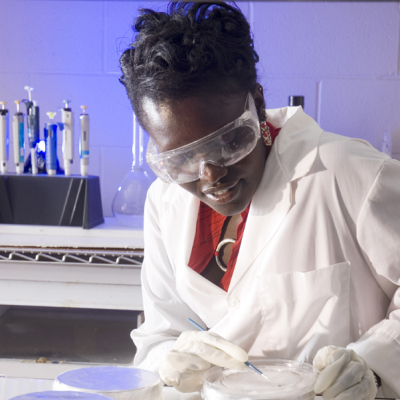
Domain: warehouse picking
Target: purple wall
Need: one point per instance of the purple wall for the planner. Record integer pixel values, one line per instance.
(343, 57)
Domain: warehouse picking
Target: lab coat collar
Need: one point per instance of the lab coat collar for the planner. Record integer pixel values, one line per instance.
(297, 143)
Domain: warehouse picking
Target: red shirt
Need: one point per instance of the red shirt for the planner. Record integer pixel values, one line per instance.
(208, 235)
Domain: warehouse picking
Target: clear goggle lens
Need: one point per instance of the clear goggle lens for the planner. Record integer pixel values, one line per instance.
(224, 147)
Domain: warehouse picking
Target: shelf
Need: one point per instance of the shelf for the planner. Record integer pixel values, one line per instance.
(109, 235)
(65, 256)
(58, 266)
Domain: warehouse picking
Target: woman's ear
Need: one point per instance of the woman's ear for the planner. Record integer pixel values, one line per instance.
(258, 96)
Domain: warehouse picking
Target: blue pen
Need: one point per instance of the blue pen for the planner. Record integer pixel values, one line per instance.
(255, 369)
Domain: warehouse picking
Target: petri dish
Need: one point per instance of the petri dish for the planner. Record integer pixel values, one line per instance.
(292, 380)
(53, 395)
(119, 383)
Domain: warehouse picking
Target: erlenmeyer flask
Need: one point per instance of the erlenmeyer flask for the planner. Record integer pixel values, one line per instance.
(128, 203)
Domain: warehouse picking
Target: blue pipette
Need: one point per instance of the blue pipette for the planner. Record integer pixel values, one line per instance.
(255, 369)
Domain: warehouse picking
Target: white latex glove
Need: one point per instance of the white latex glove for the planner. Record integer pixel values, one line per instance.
(194, 353)
(344, 375)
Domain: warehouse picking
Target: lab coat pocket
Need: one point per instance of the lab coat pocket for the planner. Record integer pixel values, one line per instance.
(304, 311)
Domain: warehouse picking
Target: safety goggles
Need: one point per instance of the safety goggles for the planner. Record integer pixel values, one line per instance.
(223, 148)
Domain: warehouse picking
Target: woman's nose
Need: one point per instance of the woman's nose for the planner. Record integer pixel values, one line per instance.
(212, 173)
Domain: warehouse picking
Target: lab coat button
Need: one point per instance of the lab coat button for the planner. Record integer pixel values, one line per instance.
(233, 302)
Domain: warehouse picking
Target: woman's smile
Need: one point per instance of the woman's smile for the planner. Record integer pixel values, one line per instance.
(223, 193)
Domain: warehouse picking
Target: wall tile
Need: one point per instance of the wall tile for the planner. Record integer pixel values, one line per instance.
(278, 90)
(12, 88)
(321, 38)
(119, 19)
(108, 106)
(362, 108)
(245, 7)
(118, 34)
(48, 36)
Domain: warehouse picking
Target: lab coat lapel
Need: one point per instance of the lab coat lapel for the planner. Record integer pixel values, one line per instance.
(291, 158)
(268, 209)
(179, 222)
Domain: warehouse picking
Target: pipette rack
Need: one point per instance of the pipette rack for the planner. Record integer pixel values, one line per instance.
(50, 200)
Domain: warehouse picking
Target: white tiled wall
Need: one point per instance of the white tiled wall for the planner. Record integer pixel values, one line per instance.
(342, 56)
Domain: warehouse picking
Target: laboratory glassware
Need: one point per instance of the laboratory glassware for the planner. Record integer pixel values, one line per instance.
(128, 203)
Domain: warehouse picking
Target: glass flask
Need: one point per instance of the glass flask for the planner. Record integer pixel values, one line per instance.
(128, 203)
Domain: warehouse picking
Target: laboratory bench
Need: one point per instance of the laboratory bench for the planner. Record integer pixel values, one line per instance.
(58, 266)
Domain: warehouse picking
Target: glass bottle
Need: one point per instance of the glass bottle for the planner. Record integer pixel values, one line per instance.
(128, 203)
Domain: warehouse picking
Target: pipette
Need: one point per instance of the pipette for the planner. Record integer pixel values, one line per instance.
(68, 136)
(50, 134)
(19, 140)
(255, 369)
(84, 142)
(4, 137)
(32, 111)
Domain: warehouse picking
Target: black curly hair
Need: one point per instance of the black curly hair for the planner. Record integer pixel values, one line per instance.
(194, 49)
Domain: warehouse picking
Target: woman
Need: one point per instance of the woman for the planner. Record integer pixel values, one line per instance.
(278, 238)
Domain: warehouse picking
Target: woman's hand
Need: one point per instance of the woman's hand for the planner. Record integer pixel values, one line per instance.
(344, 375)
(194, 353)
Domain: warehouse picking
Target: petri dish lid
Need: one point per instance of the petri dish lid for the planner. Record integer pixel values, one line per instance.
(108, 379)
(52, 395)
(291, 380)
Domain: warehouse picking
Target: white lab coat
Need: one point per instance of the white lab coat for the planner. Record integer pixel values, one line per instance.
(319, 262)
